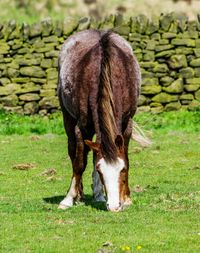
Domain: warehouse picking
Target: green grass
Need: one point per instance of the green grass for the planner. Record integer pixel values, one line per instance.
(19, 124)
(164, 182)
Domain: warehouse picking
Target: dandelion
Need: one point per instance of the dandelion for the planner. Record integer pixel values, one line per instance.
(139, 247)
(125, 248)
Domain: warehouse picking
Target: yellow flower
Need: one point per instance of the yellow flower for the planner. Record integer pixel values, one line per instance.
(123, 248)
(139, 247)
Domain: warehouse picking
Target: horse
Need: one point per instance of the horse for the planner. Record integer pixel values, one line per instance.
(98, 88)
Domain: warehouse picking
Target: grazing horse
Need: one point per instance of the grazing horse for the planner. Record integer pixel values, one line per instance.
(98, 87)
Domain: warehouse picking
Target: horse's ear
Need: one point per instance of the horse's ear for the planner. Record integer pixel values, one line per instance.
(93, 146)
(119, 141)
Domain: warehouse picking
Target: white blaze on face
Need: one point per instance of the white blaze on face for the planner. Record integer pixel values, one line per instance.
(111, 174)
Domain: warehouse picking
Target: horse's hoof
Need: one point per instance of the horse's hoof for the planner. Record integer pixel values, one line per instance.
(63, 207)
(100, 199)
(66, 203)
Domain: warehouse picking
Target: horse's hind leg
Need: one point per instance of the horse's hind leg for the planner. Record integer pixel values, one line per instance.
(78, 155)
(127, 135)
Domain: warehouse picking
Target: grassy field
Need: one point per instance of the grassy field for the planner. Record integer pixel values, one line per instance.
(164, 181)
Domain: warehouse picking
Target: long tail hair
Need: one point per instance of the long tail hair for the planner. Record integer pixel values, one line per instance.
(139, 136)
(106, 109)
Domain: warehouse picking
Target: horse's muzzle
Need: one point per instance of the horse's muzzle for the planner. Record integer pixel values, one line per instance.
(115, 209)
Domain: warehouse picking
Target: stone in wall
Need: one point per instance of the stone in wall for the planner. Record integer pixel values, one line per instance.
(175, 87)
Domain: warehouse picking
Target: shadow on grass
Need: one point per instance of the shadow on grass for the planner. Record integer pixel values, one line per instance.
(88, 201)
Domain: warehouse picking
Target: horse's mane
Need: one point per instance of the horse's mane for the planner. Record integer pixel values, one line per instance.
(106, 109)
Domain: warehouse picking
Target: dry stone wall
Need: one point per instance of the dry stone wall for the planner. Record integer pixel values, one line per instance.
(167, 48)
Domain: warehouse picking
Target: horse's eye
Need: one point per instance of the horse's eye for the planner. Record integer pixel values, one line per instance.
(123, 170)
(98, 167)
(123, 175)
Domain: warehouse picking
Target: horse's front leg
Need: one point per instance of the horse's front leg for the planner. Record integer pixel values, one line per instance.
(78, 154)
(97, 186)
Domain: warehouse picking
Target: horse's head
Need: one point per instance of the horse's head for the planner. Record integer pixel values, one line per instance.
(113, 174)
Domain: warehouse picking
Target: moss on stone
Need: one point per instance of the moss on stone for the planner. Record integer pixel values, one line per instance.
(4, 47)
(29, 97)
(173, 106)
(151, 44)
(160, 68)
(46, 63)
(186, 97)
(166, 80)
(195, 62)
(197, 95)
(183, 42)
(191, 87)
(33, 71)
(150, 81)
(52, 73)
(145, 108)
(177, 61)
(142, 100)
(10, 100)
(35, 30)
(49, 102)
(31, 108)
(175, 87)
(186, 72)
(47, 26)
(169, 35)
(47, 93)
(193, 81)
(151, 89)
(69, 25)
(29, 87)
(12, 72)
(184, 50)
(159, 48)
(149, 56)
(165, 54)
(164, 98)
(197, 72)
(194, 105)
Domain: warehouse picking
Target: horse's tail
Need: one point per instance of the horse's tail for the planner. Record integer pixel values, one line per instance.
(105, 100)
(106, 107)
(139, 136)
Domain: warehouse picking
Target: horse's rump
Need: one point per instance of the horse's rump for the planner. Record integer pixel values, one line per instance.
(81, 65)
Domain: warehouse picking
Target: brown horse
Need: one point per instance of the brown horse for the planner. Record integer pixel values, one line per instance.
(99, 80)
